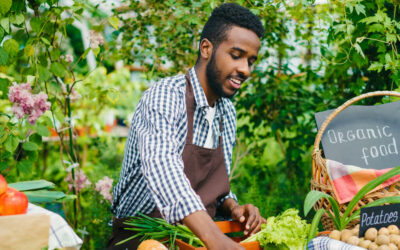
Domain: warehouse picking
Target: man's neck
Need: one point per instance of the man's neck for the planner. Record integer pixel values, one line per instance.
(201, 75)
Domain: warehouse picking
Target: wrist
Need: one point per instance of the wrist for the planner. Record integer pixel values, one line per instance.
(202, 225)
(211, 237)
(229, 205)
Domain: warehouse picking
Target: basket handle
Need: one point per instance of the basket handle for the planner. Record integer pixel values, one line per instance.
(342, 107)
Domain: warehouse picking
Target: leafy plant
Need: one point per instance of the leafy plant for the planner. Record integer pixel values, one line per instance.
(38, 191)
(341, 221)
(285, 231)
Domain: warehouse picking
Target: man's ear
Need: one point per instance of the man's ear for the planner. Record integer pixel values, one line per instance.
(206, 49)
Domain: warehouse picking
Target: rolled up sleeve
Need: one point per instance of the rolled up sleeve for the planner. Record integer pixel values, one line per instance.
(162, 164)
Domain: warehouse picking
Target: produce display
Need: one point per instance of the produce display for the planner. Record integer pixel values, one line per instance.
(11, 200)
(285, 231)
(341, 219)
(374, 239)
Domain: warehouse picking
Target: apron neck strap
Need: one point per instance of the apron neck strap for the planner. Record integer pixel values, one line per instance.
(189, 108)
(190, 111)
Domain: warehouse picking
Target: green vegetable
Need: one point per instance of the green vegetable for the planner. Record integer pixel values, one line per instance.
(284, 232)
(158, 229)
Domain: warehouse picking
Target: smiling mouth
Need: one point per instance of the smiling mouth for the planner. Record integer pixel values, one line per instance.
(236, 83)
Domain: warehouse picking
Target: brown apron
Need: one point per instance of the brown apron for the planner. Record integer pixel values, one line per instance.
(205, 169)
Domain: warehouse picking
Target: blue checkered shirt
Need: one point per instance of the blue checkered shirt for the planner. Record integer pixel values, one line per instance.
(152, 170)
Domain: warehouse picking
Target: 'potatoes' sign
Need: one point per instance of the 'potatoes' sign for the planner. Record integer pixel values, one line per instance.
(363, 136)
(379, 217)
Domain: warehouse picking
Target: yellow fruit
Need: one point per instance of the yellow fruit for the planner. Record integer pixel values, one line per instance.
(151, 245)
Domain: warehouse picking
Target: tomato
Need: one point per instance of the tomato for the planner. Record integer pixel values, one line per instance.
(13, 202)
(3, 185)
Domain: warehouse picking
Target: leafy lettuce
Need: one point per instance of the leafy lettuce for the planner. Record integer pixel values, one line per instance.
(286, 231)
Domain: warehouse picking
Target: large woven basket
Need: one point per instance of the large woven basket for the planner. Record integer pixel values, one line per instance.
(320, 180)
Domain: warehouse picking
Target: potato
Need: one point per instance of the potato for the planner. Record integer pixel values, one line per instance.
(393, 246)
(393, 229)
(382, 240)
(335, 234)
(353, 240)
(383, 247)
(394, 238)
(371, 234)
(373, 246)
(345, 235)
(355, 230)
(383, 231)
(364, 243)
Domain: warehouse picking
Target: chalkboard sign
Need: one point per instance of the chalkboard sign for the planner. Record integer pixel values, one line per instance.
(363, 136)
(378, 217)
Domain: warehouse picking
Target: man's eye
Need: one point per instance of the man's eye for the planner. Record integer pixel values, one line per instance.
(235, 56)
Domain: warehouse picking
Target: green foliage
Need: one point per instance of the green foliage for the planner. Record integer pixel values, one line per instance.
(5, 6)
(31, 185)
(37, 50)
(37, 191)
(156, 36)
(283, 102)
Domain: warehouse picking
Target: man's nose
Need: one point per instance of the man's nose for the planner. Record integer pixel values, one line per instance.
(244, 68)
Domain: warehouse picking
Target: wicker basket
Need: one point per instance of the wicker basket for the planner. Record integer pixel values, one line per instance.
(320, 180)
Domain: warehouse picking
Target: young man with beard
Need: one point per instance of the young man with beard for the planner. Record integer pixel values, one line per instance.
(179, 149)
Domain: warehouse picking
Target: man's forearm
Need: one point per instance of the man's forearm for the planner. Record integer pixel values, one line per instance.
(201, 224)
(208, 232)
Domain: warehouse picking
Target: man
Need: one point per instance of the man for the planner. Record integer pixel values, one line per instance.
(179, 149)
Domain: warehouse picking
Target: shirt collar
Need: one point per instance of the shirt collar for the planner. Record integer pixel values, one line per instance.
(199, 95)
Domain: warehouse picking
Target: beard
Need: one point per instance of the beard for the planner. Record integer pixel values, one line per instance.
(213, 74)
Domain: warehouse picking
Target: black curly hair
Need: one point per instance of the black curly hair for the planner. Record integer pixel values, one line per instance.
(224, 17)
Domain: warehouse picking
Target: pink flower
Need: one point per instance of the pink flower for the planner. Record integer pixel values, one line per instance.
(81, 180)
(19, 93)
(41, 102)
(95, 39)
(104, 186)
(33, 116)
(69, 58)
(18, 111)
(26, 103)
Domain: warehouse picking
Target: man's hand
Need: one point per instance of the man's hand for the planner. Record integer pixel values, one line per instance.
(248, 214)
